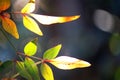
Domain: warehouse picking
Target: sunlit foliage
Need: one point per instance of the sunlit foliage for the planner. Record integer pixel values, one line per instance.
(8, 25)
(27, 67)
(28, 21)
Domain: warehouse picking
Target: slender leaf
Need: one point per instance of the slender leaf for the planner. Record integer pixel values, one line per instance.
(10, 27)
(46, 72)
(52, 52)
(32, 68)
(47, 20)
(22, 70)
(31, 25)
(4, 4)
(66, 63)
(30, 48)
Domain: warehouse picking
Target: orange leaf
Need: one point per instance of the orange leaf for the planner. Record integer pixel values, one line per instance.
(66, 63)
(47, 20)
(4, 4)
(29, 7)
(10, 27)
(31, 25)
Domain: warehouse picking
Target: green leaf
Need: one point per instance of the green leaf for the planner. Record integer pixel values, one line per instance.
(32, 68)
(22, 70)
(31, 48)
(46, 72)
(115, 44)
(6, 67)
(52, 52)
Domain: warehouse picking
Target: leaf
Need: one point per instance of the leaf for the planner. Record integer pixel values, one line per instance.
(47, 20)
(31, 25)
(10, 27)
(66, 63)
(29, 7)
(52, 52)
(32, 68)
(22, 70)
(115, 44)
(46, 72)
(30, 48)
(6, 67)
(4, 4)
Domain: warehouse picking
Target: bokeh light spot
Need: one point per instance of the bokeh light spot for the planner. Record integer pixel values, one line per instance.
(104, 20)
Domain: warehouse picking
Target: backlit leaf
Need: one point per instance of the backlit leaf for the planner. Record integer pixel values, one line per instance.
(52, 52)
(4, 4)
(29, 7)
(32, 68)
(22, 70)
(31, 25)
(30, 48)
(47, 20)
(46, 72)
(10, 27)
(66, 63)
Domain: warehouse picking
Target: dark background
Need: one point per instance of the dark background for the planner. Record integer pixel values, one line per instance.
(94, 37)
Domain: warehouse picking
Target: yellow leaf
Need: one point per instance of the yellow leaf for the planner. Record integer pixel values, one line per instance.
(31, 25)
(10, 27)
(66, 63)
(47, 20)
(4, 4)
(29, 7)
(46, 72)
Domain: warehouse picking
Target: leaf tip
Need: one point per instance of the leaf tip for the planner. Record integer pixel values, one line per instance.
(86, 64)
(17, 36)
(76, 17)
(59, 45)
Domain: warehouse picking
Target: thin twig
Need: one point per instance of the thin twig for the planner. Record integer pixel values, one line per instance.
(19, 53)
(8, 39)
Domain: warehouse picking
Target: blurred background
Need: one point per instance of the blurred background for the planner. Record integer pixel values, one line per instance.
(93, 37)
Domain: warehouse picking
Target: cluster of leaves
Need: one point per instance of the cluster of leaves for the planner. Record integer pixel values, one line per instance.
(28, 68)
(28, 18)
